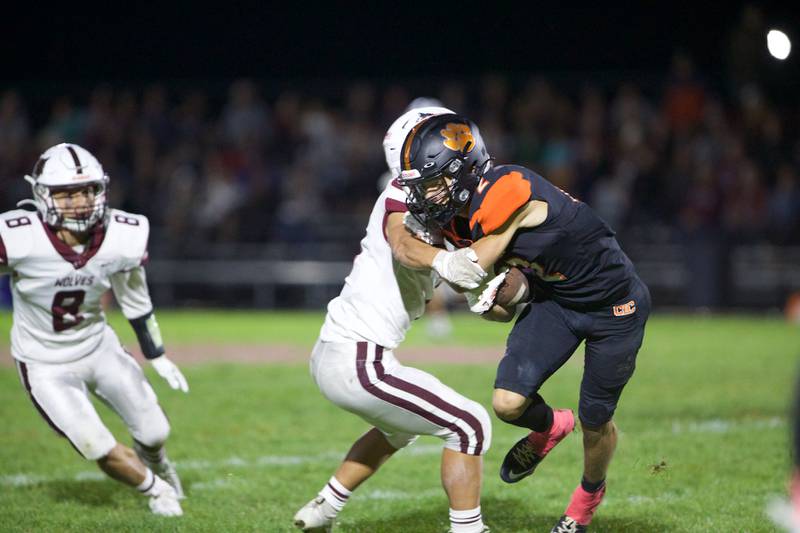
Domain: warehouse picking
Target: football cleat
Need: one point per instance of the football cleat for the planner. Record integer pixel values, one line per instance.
(582, 506)
(165, 503)
(523, 458)
(315, 516)
(567, 525)
(484, 530)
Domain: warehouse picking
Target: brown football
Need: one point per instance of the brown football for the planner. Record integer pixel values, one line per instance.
(514, 289)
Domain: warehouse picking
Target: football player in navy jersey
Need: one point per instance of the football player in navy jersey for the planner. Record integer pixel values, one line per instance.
(586, 290)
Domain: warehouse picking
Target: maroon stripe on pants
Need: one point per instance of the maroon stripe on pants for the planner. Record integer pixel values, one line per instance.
(23, 368)
(363, 378)
(432, 399)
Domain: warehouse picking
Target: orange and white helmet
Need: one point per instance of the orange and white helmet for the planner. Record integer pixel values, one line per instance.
(62, 167)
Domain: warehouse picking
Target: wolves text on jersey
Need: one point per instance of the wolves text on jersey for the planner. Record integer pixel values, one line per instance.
(75, 281)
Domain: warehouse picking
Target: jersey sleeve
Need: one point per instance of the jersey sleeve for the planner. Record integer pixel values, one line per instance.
(133, 296)
(395, 201)
(129, 234)
(497, 201)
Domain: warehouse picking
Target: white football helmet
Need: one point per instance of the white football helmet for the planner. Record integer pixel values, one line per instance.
(62, 167)
(396, 134)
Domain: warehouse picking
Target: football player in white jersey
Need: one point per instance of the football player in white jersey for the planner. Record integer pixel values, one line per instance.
(62, 259)
(354, 366)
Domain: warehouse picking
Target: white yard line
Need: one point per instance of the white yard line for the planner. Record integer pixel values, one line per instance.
(721, 425)
(211, 484)
(711, 426)
(28, 479)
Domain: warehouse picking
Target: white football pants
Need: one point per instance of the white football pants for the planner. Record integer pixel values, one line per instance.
(60, 394)
(402, 402)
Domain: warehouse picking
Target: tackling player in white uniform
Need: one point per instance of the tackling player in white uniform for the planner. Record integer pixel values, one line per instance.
(354, 366)
(62, 260)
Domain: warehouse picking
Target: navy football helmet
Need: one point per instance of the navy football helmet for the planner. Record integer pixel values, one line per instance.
(442, 160)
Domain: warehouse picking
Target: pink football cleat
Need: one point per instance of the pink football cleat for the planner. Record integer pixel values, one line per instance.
(523, 458)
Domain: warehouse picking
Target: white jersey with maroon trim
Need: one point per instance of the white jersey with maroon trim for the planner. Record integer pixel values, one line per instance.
(57, 290)
(380, 297)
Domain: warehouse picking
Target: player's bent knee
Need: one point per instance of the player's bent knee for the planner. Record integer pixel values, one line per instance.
(486, 427)
(595, 417)
(398, 441)
(508, 405)
(93, 442)
(473, 432)
(98, 450)
(155, 433)
(155, 438)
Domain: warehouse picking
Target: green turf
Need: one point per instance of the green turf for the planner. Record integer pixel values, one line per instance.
(703, 441)
(252, 327)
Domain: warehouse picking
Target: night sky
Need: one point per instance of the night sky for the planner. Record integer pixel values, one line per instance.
(366, 40)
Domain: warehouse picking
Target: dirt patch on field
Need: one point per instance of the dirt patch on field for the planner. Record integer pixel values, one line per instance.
(276, 353)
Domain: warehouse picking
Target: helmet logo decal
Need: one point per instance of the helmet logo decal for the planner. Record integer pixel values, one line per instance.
(457, 137)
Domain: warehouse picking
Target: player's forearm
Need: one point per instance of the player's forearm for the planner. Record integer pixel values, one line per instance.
(149, 335)
(492, 247)
(411, 252)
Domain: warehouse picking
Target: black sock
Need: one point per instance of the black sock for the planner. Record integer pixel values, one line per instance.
(588, 486)
(538, 416)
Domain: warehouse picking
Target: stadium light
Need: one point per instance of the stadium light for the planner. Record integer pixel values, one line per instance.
(778, 44)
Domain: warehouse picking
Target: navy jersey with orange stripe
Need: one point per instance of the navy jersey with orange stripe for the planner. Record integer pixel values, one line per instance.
(574, 257)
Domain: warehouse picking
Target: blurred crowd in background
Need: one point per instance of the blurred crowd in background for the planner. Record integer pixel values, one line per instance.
(253, 162)
(709, 160)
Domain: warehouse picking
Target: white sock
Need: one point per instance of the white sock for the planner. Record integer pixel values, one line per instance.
(335, 494)
(149, 481)
(157, 486)
(468, 521)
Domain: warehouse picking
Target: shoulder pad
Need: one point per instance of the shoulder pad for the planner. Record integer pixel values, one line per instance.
(129, 234)
(502, 191)
(16, 231)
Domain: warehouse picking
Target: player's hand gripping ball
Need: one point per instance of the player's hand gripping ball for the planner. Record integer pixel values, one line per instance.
(514, 289)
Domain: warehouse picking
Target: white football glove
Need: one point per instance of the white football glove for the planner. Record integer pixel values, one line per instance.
(170, 372)
(482, 299)
(418, 230)
(460, 268)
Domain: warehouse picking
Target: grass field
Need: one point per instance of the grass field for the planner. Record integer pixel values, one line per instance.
(703, 446)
